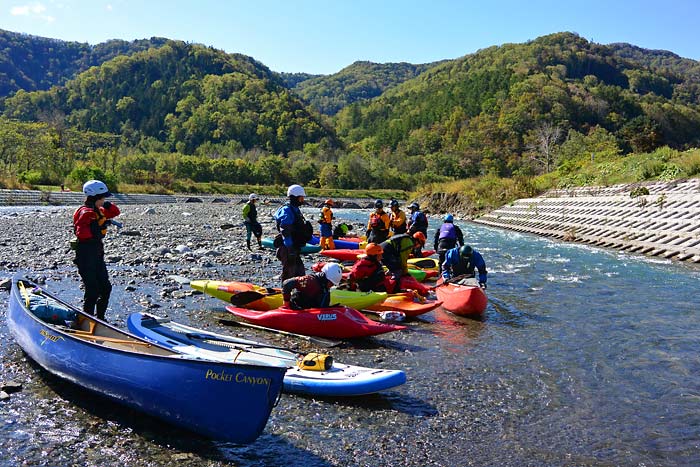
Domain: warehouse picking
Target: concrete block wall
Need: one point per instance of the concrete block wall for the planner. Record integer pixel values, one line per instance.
(663, 223)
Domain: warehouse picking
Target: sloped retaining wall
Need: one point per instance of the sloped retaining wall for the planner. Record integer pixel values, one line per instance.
(664, 223)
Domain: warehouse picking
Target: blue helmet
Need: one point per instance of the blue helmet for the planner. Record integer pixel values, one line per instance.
(449, 218)
(379, 203)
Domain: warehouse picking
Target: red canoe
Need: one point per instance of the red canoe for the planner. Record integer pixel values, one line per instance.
(344, 254)
(337, 322)
(463, 300)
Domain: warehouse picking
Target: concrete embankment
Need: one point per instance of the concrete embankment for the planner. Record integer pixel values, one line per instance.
(69, 198)
(656, 219)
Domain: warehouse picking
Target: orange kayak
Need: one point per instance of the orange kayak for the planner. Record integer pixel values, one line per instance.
(463, 300)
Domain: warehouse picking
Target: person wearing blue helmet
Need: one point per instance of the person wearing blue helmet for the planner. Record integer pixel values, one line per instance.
(460, 264)
(447, 237)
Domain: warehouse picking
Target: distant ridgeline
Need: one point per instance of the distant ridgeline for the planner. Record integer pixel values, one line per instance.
(159, 111)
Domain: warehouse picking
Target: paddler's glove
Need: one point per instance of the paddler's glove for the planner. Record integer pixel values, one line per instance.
(107, 204)
(117, 224)
(288, 242)
(482, 285)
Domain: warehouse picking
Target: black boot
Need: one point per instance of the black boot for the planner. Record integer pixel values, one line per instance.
(248, 243)
(260, 243)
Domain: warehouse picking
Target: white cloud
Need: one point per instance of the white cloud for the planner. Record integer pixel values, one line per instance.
(26, 10)
(108, 7)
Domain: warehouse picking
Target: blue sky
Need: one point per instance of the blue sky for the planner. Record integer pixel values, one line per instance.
(323, 37)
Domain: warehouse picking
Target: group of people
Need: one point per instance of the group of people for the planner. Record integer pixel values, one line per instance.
(392, 239)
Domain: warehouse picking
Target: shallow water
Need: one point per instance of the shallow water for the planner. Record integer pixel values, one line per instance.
(585, 357)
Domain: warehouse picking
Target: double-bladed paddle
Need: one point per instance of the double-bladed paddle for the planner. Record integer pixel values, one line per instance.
(314, 340)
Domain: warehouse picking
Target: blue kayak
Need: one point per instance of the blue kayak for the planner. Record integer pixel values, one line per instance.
(221, 400)
(339, 244)
(338, 380)
(308, 248)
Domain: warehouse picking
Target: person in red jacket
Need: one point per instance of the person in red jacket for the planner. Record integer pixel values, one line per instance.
(90, 223)
(311, 290)
(367, 273)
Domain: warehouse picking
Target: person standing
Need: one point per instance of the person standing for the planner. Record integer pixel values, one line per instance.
(326, 228)
(396, 251)
(90, 223)
(250, 220)
(294, 231)
(460, 262)
(313, 290)
(446, 238)
(418, 222)
(397, 219)
(378, 225)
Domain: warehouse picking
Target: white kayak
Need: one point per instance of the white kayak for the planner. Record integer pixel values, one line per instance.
(338, 380)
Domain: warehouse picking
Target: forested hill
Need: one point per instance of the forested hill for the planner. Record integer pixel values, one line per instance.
(182, 95)
(36, 63)
(359, 81)
(499, 108)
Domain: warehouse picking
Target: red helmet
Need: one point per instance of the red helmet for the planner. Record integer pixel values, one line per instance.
(420, 236)
(329, 202)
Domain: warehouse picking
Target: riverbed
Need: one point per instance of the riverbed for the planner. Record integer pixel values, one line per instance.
(585, 357)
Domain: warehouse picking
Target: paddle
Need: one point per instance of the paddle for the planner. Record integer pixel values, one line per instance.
(237, 343)
(250, 296)
(314, 340)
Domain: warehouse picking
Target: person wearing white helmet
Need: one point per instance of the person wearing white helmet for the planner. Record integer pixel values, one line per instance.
(294, 232)
(312, 290)
(250, 220)
(90, 223)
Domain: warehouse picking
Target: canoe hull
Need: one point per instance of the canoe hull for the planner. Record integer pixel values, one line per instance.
(218, 400)
(339, 380)
(462, 300)
(334, 322)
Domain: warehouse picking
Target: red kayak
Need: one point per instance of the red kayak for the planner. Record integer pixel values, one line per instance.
(344, 254)
(463, 300)
(338, 322)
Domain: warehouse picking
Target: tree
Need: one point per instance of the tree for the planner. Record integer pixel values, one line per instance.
(543, 144)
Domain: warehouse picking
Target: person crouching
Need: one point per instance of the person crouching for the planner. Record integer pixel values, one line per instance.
(312, 290)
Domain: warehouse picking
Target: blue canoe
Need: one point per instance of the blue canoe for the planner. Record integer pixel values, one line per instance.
(339, 244)
(338, 380)
(269, 243)
(225, 401)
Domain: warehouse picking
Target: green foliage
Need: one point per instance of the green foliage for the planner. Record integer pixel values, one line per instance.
(79, 175)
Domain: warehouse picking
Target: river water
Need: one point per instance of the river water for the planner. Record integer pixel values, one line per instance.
(585, 357)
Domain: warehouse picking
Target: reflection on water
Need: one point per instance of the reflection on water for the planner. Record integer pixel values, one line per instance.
(585, 357)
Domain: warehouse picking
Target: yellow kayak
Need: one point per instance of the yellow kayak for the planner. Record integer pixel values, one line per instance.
(254, 297)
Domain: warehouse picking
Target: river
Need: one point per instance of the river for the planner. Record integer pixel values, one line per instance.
(585, 357)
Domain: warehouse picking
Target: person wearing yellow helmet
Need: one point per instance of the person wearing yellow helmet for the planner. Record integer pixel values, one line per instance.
(326, 226)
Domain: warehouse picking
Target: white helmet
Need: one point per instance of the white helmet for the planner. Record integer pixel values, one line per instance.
(252, 196)
(333, 272)
(295, 190)
(95, 187)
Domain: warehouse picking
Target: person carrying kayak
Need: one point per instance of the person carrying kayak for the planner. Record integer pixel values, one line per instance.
(294, 230)
(312, 290)
(90, 223)
(378, 225)
(418, 222)
(460, 263)
(250, 220)
(446, 238)
(396, 251)
(326, 221)
(367, 273)
(397, 220)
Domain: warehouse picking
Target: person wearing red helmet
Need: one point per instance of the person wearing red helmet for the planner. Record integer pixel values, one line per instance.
(326, 226)
(397, 249)
(418, 248)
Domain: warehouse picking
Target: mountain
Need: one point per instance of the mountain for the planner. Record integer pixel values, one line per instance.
(183, 95)
(490, 107)
(36, 63)
(359, 81)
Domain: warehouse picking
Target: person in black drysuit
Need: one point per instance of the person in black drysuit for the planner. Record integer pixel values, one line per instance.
(446, 238)
(418, 222)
